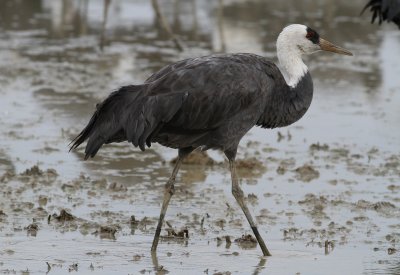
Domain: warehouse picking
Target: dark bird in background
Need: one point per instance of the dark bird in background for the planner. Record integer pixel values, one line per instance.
(210, 102)
(384, 10)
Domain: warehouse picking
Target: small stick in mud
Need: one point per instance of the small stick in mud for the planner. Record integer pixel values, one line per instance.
(329, 246)
(228, 241)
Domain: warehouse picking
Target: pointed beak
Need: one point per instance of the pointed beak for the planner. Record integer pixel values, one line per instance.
(329, 47)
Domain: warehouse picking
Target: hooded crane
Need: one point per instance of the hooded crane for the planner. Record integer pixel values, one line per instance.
(385, 10)
(210, 102)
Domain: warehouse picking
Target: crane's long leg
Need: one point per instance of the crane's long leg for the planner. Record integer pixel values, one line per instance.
(169, 191)
(238, 194)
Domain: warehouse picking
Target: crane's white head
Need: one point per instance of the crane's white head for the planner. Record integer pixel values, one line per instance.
(296, 40)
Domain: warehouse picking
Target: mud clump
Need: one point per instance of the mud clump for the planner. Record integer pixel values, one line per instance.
(73, 267)
(100, 183)
(7, 176)
(285, 165)
(319, 237)
(360, 218)
(222, 273)
(391, 251)
(32, 229)
(220, 223)
(141, 224)
(338, 153)
(393, 187)
(292, 234)
(383, 207)
(315, 205)
(319, 147)
(250, 167)
(107, 231)
(182, 234)
(306, 173)
(281, 170)
(33, 171)
(393, 237)
(252, 198)
(197, 157)
(171, 233)
(63, 217)
(42, 200)
(393, 162)
(117, 187)
(246, 238)
(246, 241)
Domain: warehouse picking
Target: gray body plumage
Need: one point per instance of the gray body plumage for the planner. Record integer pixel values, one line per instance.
(210, 101)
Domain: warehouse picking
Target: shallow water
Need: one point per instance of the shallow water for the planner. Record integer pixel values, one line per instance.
(53, 72)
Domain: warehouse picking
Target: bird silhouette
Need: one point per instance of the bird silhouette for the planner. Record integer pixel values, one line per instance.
(210, 102)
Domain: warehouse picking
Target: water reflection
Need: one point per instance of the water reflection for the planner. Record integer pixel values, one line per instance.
(104, 23)
(261, 266)
(234, 26)
(18, 15)
(162, 23)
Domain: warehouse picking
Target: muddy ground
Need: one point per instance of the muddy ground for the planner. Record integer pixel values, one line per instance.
(324, 191)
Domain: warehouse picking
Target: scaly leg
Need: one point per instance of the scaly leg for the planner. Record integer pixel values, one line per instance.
(169, 191)
(238, 194)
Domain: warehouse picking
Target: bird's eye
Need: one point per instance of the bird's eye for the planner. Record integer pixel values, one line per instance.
(310, 34)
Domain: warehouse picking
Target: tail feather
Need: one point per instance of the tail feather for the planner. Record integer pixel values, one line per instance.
(384, 10)
(128, 114)
(106, 121)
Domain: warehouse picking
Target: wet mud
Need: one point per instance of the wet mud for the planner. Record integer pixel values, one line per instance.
(325, 192)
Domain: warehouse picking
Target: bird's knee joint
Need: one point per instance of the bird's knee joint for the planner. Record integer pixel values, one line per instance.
(169, 187)
(237, 192)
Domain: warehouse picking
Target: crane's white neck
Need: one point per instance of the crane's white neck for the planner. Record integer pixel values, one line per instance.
(289, 56)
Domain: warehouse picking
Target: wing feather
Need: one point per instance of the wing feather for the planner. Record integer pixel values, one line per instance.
(194, 95)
